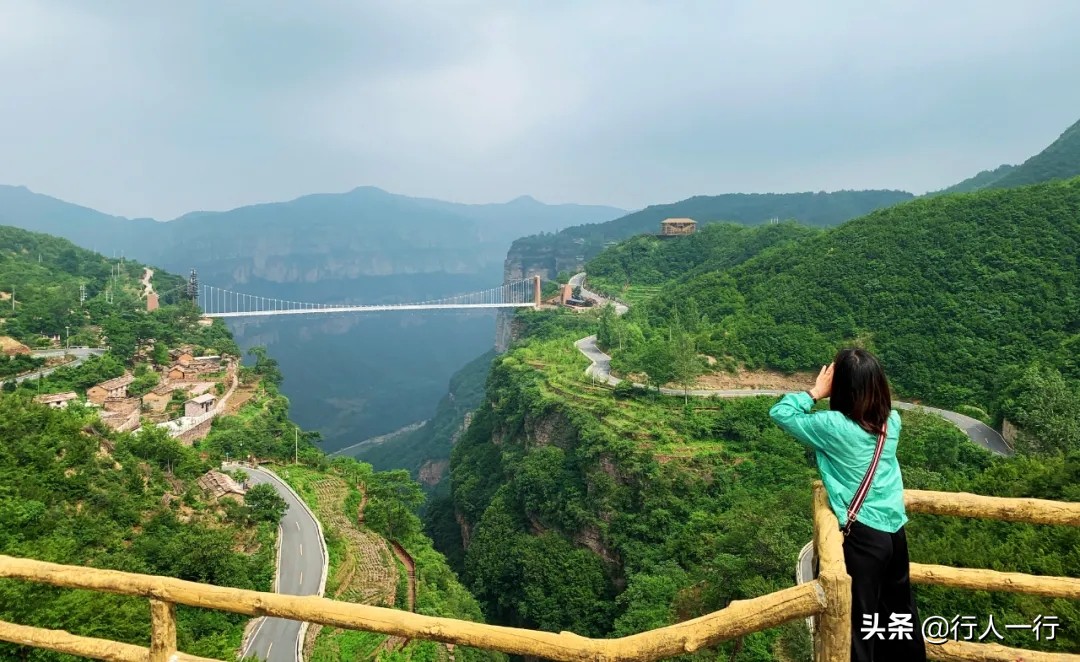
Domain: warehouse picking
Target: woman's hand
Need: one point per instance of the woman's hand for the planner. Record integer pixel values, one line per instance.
(823, 385)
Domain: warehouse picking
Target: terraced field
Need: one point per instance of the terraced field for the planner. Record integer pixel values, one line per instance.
(367, 574)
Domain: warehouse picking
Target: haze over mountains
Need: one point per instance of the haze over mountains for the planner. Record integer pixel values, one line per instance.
(354, 377)
(349, 376)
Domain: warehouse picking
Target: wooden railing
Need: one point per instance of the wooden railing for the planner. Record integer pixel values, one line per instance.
(827, 599)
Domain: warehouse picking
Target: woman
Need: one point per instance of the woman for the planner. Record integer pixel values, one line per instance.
(884, 619)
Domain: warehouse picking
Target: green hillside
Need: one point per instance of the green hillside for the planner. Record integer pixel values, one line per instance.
(954, 292)
(984, 179)
(73, 491)
(609, 511)
(425, 452)
(658, 509)
(648, 260)
(581, 242)
(1061, 160)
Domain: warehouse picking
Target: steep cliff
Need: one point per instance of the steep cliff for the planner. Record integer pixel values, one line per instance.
(583, 508)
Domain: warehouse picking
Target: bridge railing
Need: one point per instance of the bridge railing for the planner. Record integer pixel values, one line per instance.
(827, 598)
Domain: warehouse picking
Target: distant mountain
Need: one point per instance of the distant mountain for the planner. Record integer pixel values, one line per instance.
(22, 208)
(1061, 160)
(548, 254)
(349, 376)
(366, 231)
(980, 181)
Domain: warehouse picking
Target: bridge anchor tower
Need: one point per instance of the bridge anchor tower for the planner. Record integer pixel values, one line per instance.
(536, 291)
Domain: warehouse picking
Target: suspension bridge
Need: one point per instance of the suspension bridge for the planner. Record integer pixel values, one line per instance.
(220, 302)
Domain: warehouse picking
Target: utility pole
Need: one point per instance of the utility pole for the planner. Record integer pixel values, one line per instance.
(67, 332)
(296, 446)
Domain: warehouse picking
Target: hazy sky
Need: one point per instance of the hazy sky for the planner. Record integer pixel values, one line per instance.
(154, 109)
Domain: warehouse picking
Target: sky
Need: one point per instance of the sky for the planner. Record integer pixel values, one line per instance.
(156, 109)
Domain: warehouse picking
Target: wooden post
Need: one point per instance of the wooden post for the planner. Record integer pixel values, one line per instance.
(832, 634)
(162, 631)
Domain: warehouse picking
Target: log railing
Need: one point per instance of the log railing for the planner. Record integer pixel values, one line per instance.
(827, 599)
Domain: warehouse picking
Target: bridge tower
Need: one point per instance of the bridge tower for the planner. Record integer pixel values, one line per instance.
(193, 287)
(536, 291)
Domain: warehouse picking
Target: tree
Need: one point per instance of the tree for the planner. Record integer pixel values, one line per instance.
(265, 366)
(685, 365)
(265, 503)
(606, 333)
(657, 360)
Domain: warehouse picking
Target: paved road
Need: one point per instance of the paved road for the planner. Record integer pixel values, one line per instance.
(80, 354)
(300, 566)
(977, 431)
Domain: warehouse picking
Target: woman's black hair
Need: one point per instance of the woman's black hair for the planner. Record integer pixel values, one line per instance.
(860, 390)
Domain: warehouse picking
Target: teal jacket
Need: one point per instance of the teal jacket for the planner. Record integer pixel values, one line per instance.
(844, 451)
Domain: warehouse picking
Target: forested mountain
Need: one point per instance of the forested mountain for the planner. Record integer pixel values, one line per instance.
(356, 376)
(953, 292)
(74, 491)
(567, 250)
(425, 452)
(984, 179)
(611, 511)
(1061, 160)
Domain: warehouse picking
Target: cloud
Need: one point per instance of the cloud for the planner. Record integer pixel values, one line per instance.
(151, 109)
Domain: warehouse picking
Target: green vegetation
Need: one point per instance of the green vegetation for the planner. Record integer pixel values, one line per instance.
(952, 292)
(430, 445)
(815, 209)
(1061, 160)
(335, 491)
(985, 179)
(73, 492)
(609, 515)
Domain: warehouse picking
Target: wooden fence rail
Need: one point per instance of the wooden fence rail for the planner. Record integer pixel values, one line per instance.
(827, 598)
(737, 619)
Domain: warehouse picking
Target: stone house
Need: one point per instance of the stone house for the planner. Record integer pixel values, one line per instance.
(121, 421)
(56, 400)
(200, 405)
(182, 373)
(158, 399)
(112, 388)
(220, 485)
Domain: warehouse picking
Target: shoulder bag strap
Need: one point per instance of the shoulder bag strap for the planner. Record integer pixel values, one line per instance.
(864, 486)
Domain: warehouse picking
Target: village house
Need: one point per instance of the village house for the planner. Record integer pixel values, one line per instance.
(121, 420)
(200, 405)
(182, 373)
(158, 398)
(56, 400)
(206, 363)
(113, 388)
(220, 485)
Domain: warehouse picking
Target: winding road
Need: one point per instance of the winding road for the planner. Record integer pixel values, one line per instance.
(600, 369)
(977, 431)
(80, 354)
(302, 567)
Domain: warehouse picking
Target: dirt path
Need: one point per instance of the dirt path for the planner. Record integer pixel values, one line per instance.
(148, 287)
(410, 568)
